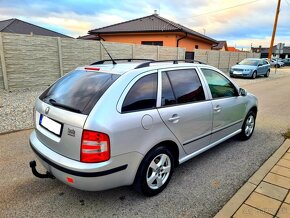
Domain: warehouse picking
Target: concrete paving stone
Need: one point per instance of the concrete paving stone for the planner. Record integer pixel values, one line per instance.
(283, 171)
(248, 211)
(272, 191)
(263, 203)
(284, 211)
(278, 180)
(282, 150)
(284, 163)
(287, 200)
(286, 156)
(257, 177)
(234, 203)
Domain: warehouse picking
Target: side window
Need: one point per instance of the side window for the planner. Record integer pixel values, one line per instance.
(168, 97)
(219, 85)
(142, 94)
(181, 86)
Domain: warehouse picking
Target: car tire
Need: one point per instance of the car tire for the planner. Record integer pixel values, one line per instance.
(254, 75)
(155, 171)
(267, 74)
(248, 126)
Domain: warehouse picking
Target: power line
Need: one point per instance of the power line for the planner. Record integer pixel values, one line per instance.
(217, 11)
(223, 9)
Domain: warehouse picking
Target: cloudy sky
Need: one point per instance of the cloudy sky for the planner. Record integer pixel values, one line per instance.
(240, 22)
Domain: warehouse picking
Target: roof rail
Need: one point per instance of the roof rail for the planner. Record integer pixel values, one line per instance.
(125, 59)
(147, 64)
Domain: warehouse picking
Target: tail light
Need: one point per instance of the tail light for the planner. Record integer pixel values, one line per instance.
(95, 147)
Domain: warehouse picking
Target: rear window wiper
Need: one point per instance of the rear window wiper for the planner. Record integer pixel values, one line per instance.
(54, 103)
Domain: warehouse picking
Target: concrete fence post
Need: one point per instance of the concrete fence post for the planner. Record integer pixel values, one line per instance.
(219, 61)
(101, 52)
(60, 56)
(133, 52)
(158, 52)
(229, 62)
(3, 64)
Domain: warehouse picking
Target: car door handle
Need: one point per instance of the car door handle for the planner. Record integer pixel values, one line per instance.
(174, 119)
(217, 109)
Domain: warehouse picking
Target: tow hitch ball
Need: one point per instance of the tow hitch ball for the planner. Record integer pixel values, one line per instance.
(32, 165)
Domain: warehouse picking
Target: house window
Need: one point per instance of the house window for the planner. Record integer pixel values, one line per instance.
(196, 46)
(159, 43)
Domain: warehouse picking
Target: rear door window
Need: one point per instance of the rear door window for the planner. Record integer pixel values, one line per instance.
(181, 86)
(142, 95)
(79, 90)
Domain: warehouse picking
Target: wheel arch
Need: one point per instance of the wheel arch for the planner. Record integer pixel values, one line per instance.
(171, 145)
(254, 109)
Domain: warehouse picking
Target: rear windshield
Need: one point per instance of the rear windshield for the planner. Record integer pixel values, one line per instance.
(79, 90)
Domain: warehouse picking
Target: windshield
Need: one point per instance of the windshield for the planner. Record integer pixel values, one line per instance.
(249, 62)
(79, 90)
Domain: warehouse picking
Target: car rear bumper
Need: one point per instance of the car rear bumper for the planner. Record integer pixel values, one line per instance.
(118, 171)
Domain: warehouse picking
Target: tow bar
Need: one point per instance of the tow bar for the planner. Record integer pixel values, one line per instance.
(32, 165)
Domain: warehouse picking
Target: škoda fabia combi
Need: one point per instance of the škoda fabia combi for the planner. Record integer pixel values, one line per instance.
(131, 123)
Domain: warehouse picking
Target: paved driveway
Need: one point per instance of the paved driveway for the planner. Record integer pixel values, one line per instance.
(199, 188)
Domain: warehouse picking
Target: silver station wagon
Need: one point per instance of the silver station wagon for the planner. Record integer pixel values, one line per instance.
(131, 123)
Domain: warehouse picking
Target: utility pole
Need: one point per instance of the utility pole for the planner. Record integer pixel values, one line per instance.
(274, 30)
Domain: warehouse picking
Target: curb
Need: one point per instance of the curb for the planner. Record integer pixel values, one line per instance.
(244, 192)
(17, 130)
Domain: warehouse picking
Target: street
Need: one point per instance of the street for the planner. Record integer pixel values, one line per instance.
(199, 188)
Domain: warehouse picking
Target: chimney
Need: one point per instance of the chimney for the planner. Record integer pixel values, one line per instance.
(155, 12)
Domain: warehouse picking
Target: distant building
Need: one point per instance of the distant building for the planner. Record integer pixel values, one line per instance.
(21, 27)
(89, 37)
(221, 46)
(233, 49)
(265, 51)
(154, 30)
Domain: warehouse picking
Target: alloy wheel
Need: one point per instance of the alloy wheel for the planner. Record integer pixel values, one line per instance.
(158, 171)
(249, 127)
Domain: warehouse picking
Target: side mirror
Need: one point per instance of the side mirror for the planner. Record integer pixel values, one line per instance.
(259, 65)
(242, 92)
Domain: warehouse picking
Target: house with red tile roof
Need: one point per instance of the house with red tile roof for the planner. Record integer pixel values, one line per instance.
(154, 30)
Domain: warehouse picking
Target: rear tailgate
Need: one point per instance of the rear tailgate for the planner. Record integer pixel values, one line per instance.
(59, 129)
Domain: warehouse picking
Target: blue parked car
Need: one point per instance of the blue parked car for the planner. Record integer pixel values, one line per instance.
(251, 68)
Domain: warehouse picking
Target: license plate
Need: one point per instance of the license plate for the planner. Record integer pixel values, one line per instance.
(50, 125)
(237, 72)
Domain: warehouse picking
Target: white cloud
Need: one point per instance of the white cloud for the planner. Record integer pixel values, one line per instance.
(243, 25)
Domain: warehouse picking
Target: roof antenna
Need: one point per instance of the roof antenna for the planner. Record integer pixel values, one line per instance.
(114, 62)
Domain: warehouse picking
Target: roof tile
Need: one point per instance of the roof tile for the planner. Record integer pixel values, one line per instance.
(152, 23)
